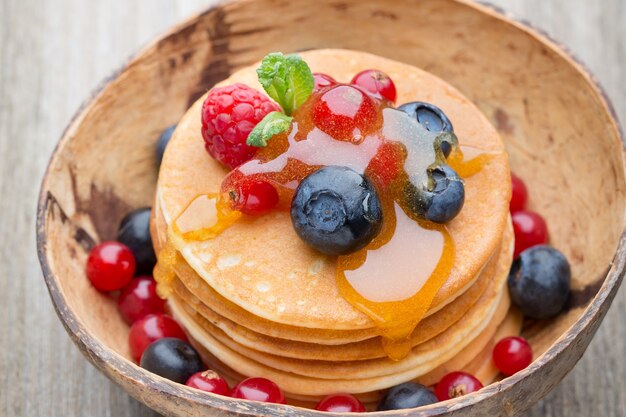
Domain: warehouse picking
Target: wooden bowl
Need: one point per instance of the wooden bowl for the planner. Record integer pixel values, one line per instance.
(559, 128)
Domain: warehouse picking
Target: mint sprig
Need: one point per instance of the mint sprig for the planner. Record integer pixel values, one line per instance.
(287, 79)
(272, 124)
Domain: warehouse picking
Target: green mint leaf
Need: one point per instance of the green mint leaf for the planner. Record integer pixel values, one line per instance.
(286, 79)
(272, 124)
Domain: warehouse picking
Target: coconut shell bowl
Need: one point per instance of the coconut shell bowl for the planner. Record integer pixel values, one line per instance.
(559, 129)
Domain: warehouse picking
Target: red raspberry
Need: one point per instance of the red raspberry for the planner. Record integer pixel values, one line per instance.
(228, 116)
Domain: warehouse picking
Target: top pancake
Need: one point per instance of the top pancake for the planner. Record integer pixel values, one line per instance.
(261, 265)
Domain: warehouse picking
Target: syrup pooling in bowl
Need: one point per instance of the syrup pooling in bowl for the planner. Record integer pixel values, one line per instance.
(391, 149)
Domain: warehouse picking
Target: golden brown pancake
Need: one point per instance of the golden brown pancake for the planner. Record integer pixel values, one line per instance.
(262, 266)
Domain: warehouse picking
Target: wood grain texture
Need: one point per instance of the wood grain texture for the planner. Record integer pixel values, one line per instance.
(54, 52)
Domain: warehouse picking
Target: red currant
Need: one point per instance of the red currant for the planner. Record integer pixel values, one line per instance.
(530, 230)
(259, 389)
(376, 82)
(345, 113)
(456, 384)
(110, 266)
(323, 81)
(139, 298)
(341, 403)
(150, 328)
(512, 354)
(519, 194)
(209, 381)
(254, 197)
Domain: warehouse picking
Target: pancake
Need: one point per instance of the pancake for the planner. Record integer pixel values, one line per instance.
(262, 266)
(423, 359)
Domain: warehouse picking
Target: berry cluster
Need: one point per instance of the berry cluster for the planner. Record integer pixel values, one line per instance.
(334, 209)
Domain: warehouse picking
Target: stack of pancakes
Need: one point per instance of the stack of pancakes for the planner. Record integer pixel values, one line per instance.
(257, 301)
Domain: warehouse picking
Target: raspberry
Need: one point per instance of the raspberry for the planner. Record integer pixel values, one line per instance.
(228, 116)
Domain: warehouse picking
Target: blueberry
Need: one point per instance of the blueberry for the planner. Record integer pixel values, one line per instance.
(336, 210)
(134, 232)
(442, 200)
(448, 195)
(432, 118)
(172, 358)
(539, 282)
(161, 144)
(407, 395)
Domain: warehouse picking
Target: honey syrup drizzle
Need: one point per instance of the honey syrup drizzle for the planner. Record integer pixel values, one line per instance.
(398, 316)
(395, 279)
(164, 273)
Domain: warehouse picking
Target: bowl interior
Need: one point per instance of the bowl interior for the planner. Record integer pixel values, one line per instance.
(560, 135)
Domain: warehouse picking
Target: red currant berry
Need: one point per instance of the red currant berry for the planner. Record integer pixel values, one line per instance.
(254, 197)
(376, 82)
(512, 354)
(323, 81)
(456, 384)
(152, 327)
(139, 298)
(341, 403)
(530, 230)
(209, 381)
(345, 113)
(519, 194)
(110, 266)
(259, 389)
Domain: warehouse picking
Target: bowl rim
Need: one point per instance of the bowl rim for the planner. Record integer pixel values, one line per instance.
(111, 363)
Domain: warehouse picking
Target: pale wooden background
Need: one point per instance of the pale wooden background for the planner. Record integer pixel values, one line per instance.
(54, 52)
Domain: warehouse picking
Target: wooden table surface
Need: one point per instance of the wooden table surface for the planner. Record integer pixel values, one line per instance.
(54, 52)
